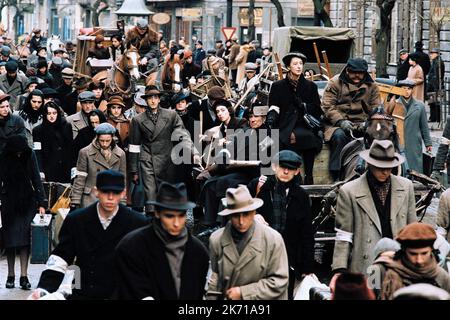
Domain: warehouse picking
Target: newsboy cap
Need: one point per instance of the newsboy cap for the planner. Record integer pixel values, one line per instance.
(357, 65)
(216, 92)
(402, 51)
(86, 96)
(142, 23)
(416, 235)
(110, 180)
(287, 159)
(67, 73)
(11, 66)
(105, 128)
(406, 83)
(250, 66)
(5, 51)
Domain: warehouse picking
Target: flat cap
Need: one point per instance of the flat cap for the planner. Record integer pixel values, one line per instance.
(11, 66)
(416, 235)
(406, 83)
(216, 92)
(287, 159)
(86, 96)
(357, 65)
(105, 128)
(49, 93)
(67, 73)
(251, 66)
(142, 23)
(402, 51)
(5, 51)
(110, 180)
(435, 50)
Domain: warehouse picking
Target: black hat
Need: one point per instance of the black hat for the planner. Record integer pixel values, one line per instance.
(49, 93)
(179, 97)
(11, 66)
(223, 102)
(287, 159)
(418, 45)
(414, 56)
(172, 196)
(211, 52)
(287, 58)
(357, 65)
(41, 64)
(110, 180)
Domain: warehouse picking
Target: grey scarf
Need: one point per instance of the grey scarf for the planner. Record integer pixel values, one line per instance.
(174, 249)
(241, 239)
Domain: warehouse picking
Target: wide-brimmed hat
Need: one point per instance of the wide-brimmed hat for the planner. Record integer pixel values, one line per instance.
(435, 50)
(151, 91)
(179, 97)
(239, 200)
(116, 101)
(173, 197)
(382, 154)
(216, 92)
(287, 58)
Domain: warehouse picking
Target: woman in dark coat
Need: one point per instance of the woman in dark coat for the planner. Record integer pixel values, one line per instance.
(53, 144)
(42, 73)
(291, 96)
(22, 196)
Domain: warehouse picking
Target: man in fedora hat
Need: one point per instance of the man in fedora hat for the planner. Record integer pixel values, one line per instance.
(163, 260)
(88, 238)
(151, 142)
(415, 262)
(248, 259)
(415, 128)
(347, 101)
(374, 206)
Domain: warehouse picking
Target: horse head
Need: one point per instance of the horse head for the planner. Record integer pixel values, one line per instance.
(172, 70)
(380, 126)
(55, 42)
(130, 61)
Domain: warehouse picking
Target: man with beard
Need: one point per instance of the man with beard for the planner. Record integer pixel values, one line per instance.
(12, 83)
(347, 101)
(415, 262)
(80, 119)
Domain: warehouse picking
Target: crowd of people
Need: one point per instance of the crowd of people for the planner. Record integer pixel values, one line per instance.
(140, 170)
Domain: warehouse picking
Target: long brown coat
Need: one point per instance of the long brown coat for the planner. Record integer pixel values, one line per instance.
(90, 162)
(234, 51)
(261, 271)
(416, 74)
(241, 60)
(341, 101)
(358, 225)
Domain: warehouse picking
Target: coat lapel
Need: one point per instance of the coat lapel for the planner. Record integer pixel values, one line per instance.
(398, 194)
(229, 249)
(100, 159)
(160, 123)
(365, 201)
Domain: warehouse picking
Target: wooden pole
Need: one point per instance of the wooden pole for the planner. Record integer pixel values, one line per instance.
(316, 52)
(278, 63)
(327, 64)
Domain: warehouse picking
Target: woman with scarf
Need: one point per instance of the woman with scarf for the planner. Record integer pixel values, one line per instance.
(87, 134)
(115, 116)
(53, 144)
(32, 113)
(101, 154)
(289, 99)
(22, 195)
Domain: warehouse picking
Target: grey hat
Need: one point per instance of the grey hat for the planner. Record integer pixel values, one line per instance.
(67, 73)
(421, 291)
(57, 61)
(6, 51)
(287, 159)
(250, 66)
(402, 51)
(406, 83)
(382, 154)
(239, 200)
(435, 50)
(385, 244)
(105, 128)
(287, 58)
(86, 96)
(31, 80)
(142, 23)
(139, 100)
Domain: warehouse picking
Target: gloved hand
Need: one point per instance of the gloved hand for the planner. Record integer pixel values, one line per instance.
(271, 118)
(346, 125)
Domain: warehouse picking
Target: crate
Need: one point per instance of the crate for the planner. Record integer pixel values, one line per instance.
(321, 173)
(41, 239)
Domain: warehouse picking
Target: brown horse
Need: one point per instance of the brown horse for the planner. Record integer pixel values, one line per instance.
(124, 74)
(171, 72)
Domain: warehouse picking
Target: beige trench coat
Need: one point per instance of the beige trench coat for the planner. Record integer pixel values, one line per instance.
(357, 223)
(416, 74)
(90, 162)
(261, 271)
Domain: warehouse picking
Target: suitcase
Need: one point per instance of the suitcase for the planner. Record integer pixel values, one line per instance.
(428, 161)
(41, 239)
